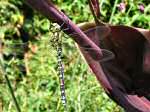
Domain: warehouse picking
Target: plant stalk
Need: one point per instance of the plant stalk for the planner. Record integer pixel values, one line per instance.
(7, 79)
(47, 8)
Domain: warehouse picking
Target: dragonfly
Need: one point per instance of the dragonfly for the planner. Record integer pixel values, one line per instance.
(56, 43)
(113, 49)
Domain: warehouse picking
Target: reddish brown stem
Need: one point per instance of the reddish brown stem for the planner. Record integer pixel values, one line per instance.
(95, 9)
(46, 8)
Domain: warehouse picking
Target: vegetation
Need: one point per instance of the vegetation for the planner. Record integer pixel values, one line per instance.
(33, 72)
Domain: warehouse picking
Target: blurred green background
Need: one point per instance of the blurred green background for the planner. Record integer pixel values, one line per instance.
(33, 71)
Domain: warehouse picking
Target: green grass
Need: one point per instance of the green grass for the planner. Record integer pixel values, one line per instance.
(39, 91)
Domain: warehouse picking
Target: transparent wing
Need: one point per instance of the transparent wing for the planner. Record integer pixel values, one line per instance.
(99, 32)
(97, 35)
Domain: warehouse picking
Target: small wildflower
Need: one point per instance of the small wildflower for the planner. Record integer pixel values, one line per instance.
(141, 8)
(121, 7)
(33, 48)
